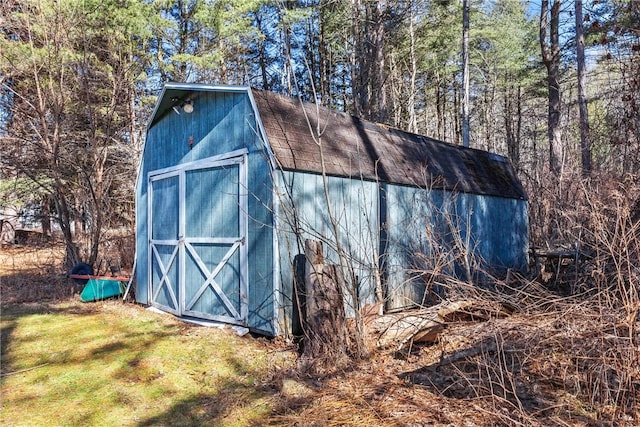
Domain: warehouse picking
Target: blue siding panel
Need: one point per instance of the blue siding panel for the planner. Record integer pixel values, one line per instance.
(142, 244)
(407, 247)
(431, 232)
(421, 232)
(260, 240)
(221, 219)
(354, 205)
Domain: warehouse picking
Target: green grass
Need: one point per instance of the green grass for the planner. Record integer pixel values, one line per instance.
(112, 364)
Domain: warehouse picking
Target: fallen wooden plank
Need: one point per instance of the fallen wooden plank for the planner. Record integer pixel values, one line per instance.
(399, 329)
(426, 325)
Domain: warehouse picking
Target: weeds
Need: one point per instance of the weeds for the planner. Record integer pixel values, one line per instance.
(588, 348)
(570, 353)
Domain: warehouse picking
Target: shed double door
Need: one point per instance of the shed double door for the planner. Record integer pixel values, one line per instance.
(198, 253)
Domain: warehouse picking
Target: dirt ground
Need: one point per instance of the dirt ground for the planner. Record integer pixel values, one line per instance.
(551, 361)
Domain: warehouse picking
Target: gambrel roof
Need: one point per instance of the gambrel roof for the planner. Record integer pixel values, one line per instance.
(356, 148)
(300, 134)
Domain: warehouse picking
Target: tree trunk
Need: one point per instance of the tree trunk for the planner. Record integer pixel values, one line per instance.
(359, 74)
(63, 217)
(412, 121)
(518, 141)
(456, 117)
(551, 59)
(262, 53)
(45, 217)
(326, 341)
(465, 73)
(513, 130)
(439, 110)
(585, 144)
(381, 113)
(368, 61)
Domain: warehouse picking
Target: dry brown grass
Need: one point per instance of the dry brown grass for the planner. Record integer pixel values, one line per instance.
(34, 274)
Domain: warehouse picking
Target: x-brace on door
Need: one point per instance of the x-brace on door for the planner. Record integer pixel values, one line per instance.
(198, 251)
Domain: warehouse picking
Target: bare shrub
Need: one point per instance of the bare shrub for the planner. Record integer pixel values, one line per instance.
(117, 251)
(571, 350)
(34, 274)
(596, 329)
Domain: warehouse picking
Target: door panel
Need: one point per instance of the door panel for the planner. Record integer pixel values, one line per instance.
(212, 289)
(198, 253)
(165, 278)
(213, 243)
(164, 244)
(212, 197)
(165, 208)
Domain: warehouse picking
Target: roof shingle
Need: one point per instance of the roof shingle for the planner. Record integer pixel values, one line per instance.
(356, 148)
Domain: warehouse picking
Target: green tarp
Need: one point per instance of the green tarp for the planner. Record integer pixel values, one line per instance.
(97, 289)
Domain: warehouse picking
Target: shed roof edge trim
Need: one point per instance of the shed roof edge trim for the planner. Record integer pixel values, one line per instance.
(262, 133)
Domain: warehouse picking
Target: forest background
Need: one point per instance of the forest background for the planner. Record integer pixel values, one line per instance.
(554, 86)
(79, 79)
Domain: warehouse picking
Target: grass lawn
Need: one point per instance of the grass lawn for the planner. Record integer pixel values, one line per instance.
(111, 363)
(68, 363)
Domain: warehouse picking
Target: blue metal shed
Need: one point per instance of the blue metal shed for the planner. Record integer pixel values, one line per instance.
(233, 179)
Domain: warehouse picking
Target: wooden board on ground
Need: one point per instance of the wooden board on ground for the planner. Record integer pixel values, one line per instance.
(426, 324)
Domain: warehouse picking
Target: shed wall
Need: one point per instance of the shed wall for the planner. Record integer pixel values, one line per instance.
(408, 230)
(221, 122)
(354, 205)
(437, 231)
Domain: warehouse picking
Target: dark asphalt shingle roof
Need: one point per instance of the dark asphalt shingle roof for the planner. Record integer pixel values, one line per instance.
(356, 148)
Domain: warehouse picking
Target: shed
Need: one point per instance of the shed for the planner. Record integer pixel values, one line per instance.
(233, 179)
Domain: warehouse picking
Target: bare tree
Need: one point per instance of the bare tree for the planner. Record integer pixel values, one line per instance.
(585, 144)
(70, 95)
(550, 29)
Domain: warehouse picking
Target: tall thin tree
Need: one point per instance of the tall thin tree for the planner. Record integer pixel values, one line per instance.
(585, 143)
(465, 73)
(550, 29)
